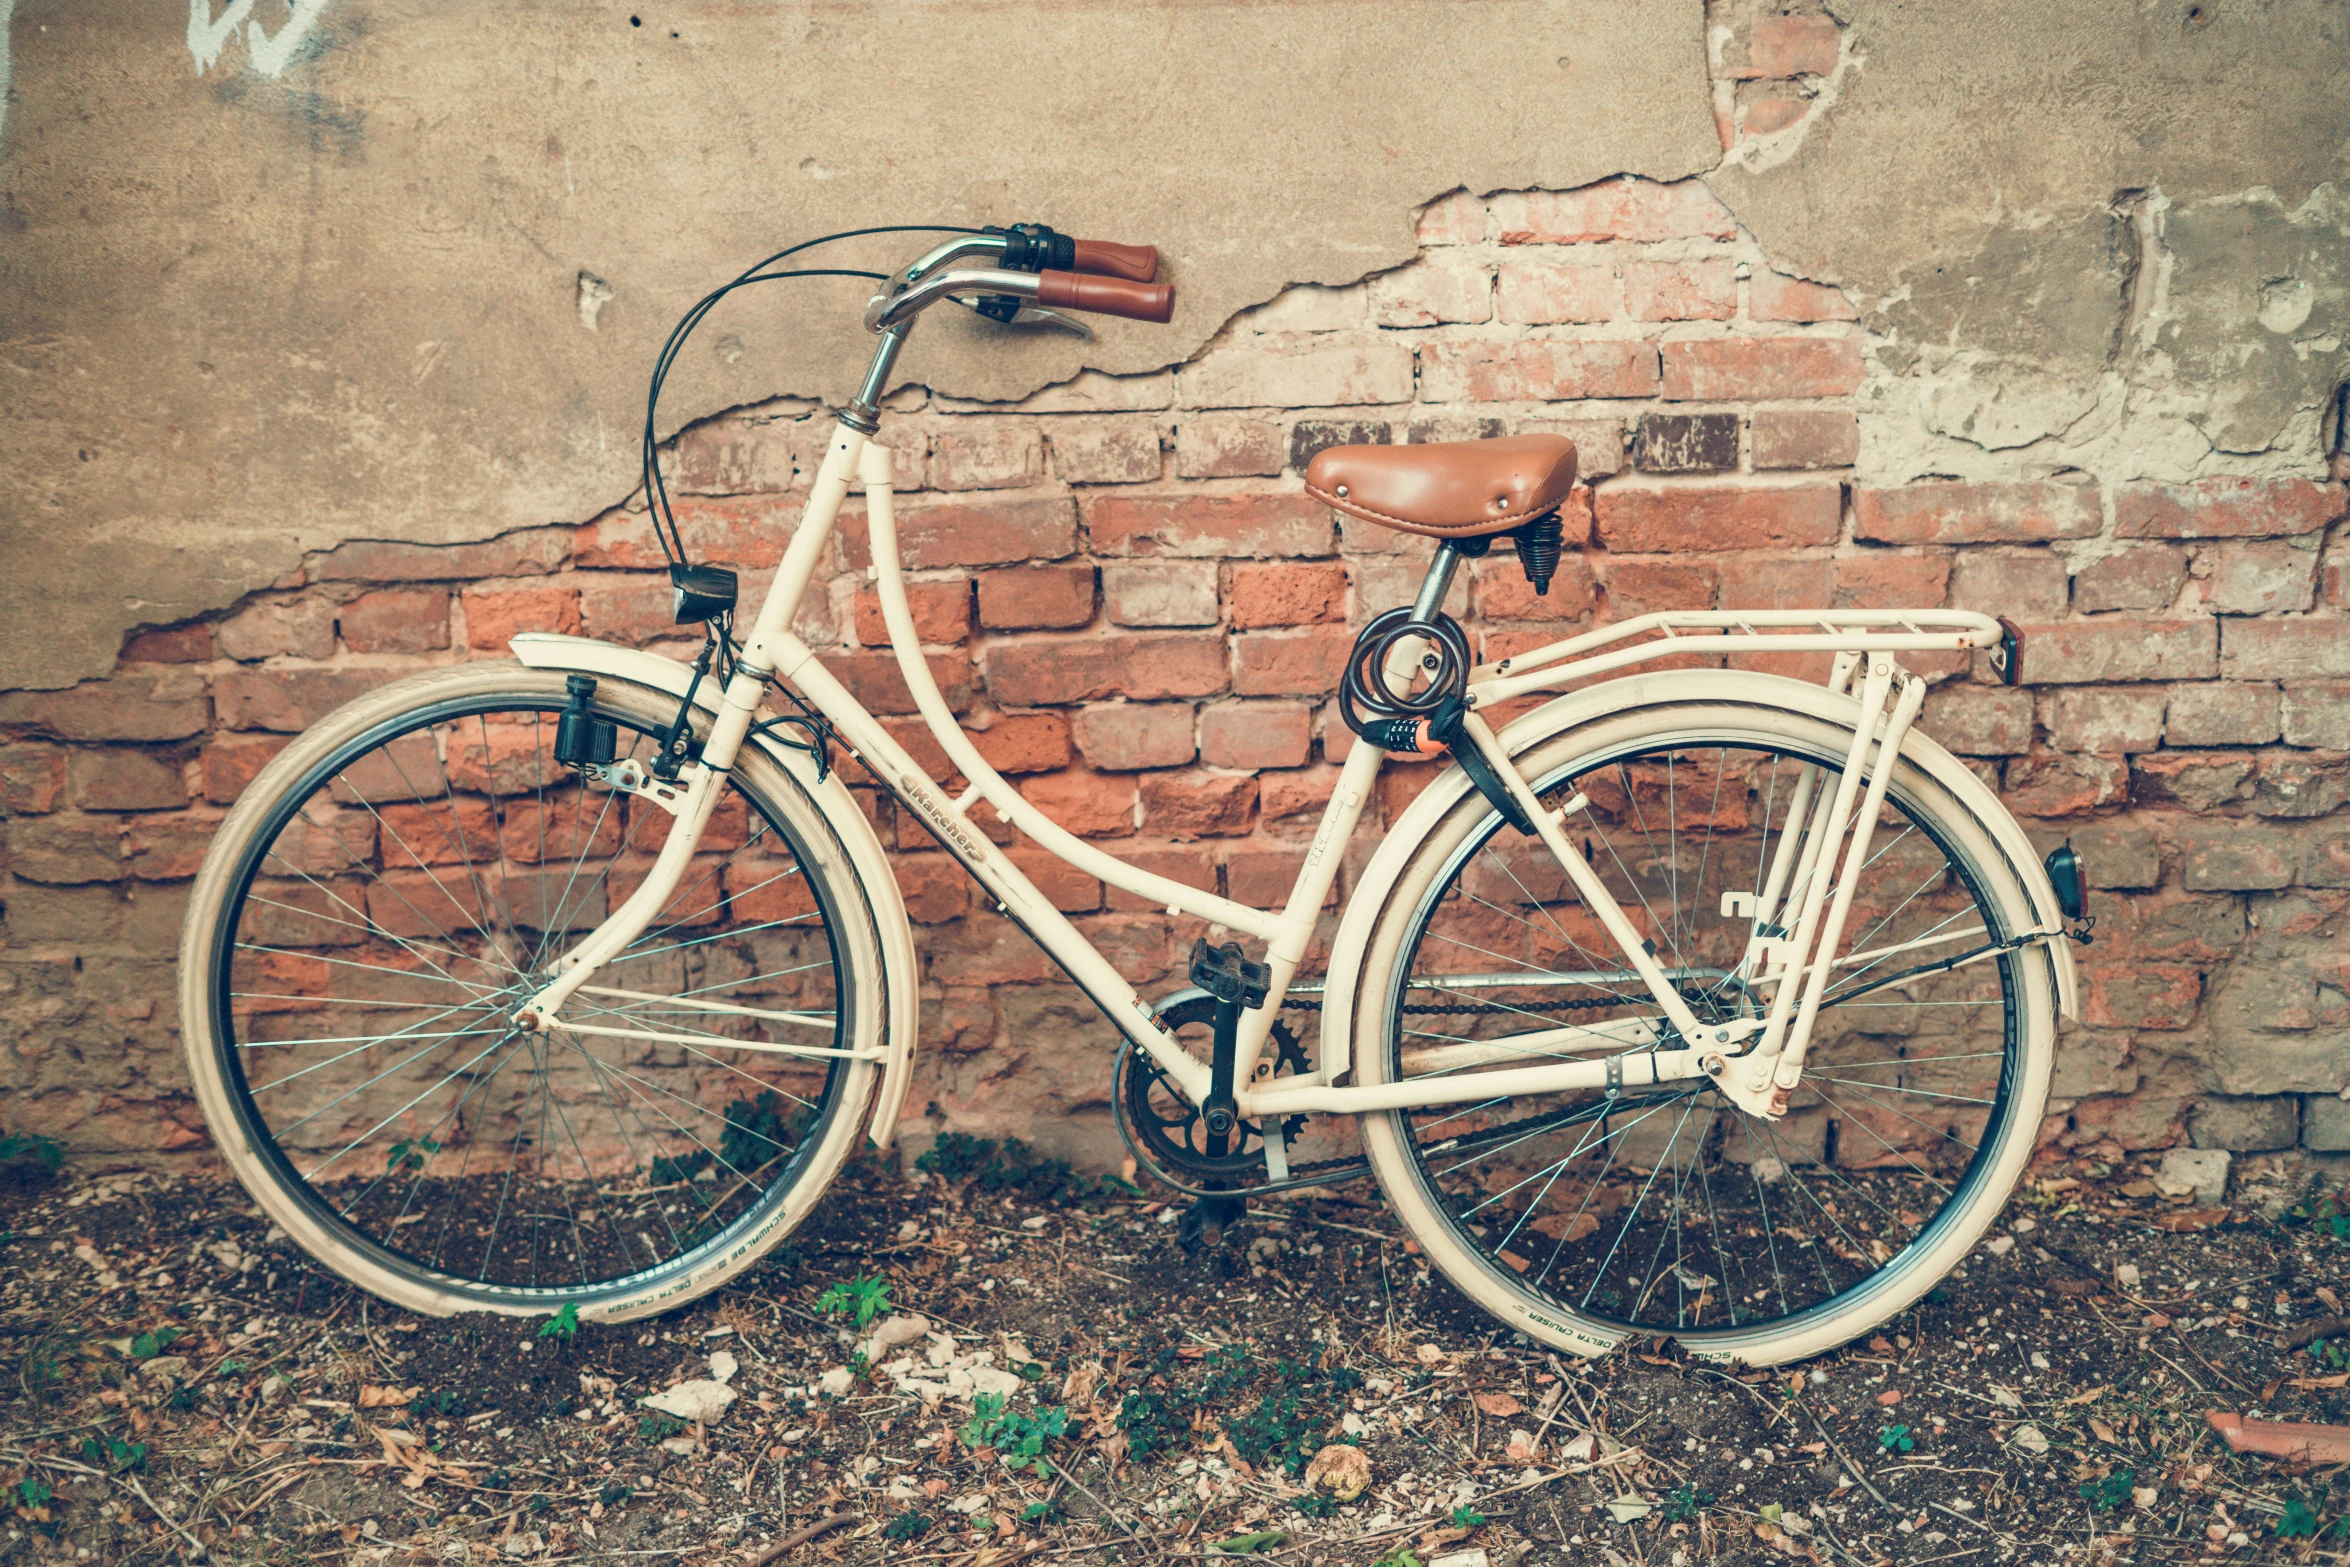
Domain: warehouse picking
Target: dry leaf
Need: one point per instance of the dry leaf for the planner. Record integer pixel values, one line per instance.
(1499, 1405)
(2192, 1219)
(371, 1397)
(1889, 1397)
(2090, 1397)
(2312, 1384)
(1343, 1469)
(2103, 1432)
(1568, 1227)
(1516, 1261)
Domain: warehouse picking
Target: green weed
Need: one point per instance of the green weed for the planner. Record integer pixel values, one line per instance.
(2109, 1493)
(2298, 1521)
(563, 1325)
(1013, 1166)
(1896, 1439)
(657, 1428)
(908, 1525)
(1685, 1504)
(148, 1345)
(1467, 1517)
(1018, 1436)
(19, 1150)
(412, 1152)
(114, 1453)
(866, 1297)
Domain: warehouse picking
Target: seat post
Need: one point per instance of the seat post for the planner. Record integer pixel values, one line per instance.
(1437, 583)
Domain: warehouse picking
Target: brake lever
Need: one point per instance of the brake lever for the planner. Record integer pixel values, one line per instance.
(1028, 315)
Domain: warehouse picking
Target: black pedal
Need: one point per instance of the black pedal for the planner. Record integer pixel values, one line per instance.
(581, 738)
(1228, 976)
(1206, 1220)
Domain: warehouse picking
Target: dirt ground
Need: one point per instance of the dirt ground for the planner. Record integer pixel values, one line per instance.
(181, 1383)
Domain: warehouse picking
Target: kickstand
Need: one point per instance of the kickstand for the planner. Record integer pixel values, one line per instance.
(1204, 1222)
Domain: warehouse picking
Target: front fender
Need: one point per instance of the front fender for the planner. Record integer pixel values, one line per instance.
(1377, 882)
(901, 1000)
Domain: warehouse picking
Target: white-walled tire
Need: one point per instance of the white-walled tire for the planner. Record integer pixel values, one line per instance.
(1582, 1228)
(414, 860)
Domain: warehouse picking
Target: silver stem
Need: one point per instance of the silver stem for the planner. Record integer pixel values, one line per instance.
(1437, 583)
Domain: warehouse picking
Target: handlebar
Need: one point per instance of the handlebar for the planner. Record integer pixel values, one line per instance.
(1137, 263)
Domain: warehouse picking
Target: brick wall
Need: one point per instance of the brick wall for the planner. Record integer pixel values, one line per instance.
(1127, 596)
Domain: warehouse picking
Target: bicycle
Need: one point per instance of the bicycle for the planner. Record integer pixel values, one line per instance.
(1694, 1002)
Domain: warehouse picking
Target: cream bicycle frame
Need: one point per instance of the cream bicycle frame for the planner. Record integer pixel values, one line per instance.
(1755, 1060)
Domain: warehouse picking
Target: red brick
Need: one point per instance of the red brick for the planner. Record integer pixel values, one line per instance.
(1003, 532)
(1091, 805)
(1681, 290)
(1963, 513)
(1294, 802)
(1036, 598)
(985, 454)
(1891, 582)
(2223, 714)
(1779, 582)
(288, 700)
(2257, 579)
(1540, 293)
(169, 645)
(2057, 784)
(1062, 670)
(2196, 780)
(1261, 876)
(1717, 517)
(2225, 509)
(1979, 720)
(731, 456)
(270, 628)
(529, 552)
(1633, 209)
(1433, 290)
(1208, 525)
(873, 678)
(32, 779)
(1192, 865)
(1805, 438)
(1161, 592)
(66, 850)
(1636, 587)
(2318, 714)
(1067, 888)
(631, 607)
(941, 611)
(2087, 652)
(231, 762)
(1252, 735)
(2145, 576)
(1127, 736)
(2300, 648)
(151, 704)
(2020, 585)
(1728, 369)
(1784, 46)
(1228, 446)
(1024, 742)
(1457, 219)
(1768, 112)
(1538, 370)
(1198, 805)
(1104, 451)
(1290, 663)
(119, 780)
(397, 621)
(2110, 721)
(1773, 296)
(2141, 995)
(493, 619)
(739, 531)
(935, 888)
(2232, 856)
(1287, 595)
(1503, 593)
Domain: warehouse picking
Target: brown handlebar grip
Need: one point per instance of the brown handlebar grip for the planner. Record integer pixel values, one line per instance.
(1140, 263)
(1107, 296)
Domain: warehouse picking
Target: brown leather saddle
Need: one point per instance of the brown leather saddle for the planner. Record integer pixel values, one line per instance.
(1447, 489)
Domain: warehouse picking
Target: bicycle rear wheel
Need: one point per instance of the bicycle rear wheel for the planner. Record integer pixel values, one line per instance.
(384, 897)
(1584, 1218)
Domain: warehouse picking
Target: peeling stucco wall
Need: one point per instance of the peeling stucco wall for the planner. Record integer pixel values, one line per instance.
(318, 278)
(2101, 237)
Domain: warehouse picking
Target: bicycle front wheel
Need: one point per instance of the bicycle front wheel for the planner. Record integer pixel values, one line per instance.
(379, 904)
(1584, 1218)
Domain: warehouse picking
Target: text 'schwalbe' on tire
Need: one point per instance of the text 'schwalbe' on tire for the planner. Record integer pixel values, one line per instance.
(374, 910)
(1583, 1219)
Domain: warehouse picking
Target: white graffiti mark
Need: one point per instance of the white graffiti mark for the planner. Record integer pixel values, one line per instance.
(268, 53)
(7, 15)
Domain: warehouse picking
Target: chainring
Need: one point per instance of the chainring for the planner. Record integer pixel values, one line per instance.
(1169, 1127)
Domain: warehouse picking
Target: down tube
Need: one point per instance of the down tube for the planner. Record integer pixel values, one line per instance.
(1016, 896)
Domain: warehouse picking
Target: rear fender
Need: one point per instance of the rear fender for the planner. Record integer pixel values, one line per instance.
(1604, 700)
(831, 797)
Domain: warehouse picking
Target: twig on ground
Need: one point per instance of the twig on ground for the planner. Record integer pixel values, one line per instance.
(801, 1536)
